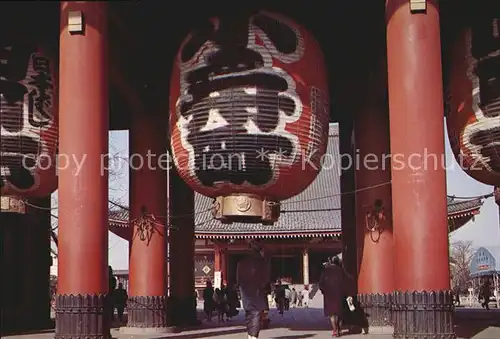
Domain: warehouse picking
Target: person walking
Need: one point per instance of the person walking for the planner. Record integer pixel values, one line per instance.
(232, 301)
(253, 275)
(299, 299)
(305, 296)
(280, 296)
(293, 298)
(485, 294)
(120, 298)
(333, 285)
(208, 300)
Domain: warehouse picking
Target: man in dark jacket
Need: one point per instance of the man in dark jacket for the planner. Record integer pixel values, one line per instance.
(120, 298)
(333, 285)
(253, 276)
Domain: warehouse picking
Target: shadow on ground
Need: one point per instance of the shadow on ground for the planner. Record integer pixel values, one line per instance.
(468, 329)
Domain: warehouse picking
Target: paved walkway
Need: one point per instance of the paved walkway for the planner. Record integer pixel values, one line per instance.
(310, 323)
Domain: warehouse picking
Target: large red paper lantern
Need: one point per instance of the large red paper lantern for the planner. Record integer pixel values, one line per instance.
(28, 119)
(474, 103)
(249, 112)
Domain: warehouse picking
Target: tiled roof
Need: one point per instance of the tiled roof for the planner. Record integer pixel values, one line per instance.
(302, 215)
(461, 208)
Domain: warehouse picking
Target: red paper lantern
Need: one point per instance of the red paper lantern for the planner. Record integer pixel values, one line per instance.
(249, 108)
(28, 119)
(474, 103)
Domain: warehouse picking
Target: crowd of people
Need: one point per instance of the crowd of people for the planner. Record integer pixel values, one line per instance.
(224, 302)
(283, 297)
(485, 294)
(258, 294)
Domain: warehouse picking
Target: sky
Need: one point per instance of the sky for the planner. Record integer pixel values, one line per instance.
(484, 230)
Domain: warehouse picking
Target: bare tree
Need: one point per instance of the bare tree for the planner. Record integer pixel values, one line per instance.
(460, 260)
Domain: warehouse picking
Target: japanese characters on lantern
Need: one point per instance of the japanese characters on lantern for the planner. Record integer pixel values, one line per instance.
(474, 103)
(28, 119)
(249, 107)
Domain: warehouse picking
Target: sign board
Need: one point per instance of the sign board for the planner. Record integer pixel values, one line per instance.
(217, 279)
(483, 267)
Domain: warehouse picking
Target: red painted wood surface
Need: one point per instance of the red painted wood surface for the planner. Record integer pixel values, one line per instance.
(416, 127)
(375, 248)
(83, 193)
(148, 200)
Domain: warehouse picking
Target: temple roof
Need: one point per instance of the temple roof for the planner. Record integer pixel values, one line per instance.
(462, 208)
(305, 215)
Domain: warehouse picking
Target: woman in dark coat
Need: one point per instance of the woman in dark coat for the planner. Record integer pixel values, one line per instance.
(334, 286)
(208, 300)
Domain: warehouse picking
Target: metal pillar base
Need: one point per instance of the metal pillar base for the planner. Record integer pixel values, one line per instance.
(426, 314)
(377, 306)
(82, 316)
(147, 312)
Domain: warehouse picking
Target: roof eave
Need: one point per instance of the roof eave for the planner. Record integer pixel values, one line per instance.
(218, 235)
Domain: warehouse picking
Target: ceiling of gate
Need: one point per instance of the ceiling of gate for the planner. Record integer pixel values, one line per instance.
(145, 35)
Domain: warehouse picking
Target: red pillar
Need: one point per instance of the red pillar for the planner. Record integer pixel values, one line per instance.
(181, 244)
(224, 272)
(148, 210)
(220, 262)
(83, 181)
(374, 230)
(418, 175)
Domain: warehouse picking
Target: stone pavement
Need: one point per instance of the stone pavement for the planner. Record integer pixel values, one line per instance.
(310, 323)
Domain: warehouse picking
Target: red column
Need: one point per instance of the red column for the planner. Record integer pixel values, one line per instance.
(181, 244)
(224, 272)
(217, 261)
(418, 175)
(83, 181)
(374, 230)
(220, 262)
(148, 211)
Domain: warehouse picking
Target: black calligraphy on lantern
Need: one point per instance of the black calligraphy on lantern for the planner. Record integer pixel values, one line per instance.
(234, 103)
(40, 96)
(21, 72)
(485, 76)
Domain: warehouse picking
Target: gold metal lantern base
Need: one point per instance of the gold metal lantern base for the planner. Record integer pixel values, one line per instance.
(12, 205)
(245, 208)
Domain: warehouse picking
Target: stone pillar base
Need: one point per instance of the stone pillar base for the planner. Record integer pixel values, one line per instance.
(147, 312)
(425, 314)
(378, 309)
(82, 316)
